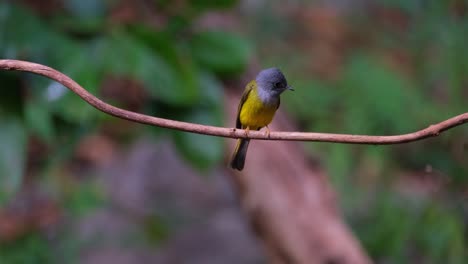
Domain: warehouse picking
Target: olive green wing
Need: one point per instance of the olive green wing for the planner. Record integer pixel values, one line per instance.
(250, 86)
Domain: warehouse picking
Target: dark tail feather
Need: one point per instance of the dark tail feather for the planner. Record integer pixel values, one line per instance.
(238, 157)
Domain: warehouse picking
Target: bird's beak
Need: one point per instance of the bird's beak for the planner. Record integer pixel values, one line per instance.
(289, 88)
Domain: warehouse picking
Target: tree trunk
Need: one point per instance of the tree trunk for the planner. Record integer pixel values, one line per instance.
(290, 203)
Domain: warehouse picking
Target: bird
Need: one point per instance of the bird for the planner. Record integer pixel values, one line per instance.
(257, 107)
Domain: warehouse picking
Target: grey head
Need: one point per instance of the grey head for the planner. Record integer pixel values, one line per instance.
(271, 83)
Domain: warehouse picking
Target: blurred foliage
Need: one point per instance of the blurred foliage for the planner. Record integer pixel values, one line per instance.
(12, 155)
(30, 249)
(177, 67)
(148, 57)
(383, 68)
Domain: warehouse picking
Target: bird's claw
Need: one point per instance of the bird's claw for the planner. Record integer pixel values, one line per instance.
(247, 130)
(267, 132)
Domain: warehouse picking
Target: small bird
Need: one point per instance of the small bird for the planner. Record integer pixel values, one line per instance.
(257, 107)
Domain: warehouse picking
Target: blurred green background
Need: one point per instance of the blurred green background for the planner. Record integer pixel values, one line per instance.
(364, 67)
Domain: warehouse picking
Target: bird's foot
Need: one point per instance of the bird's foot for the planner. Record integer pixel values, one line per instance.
(247, 130)
(267, 132)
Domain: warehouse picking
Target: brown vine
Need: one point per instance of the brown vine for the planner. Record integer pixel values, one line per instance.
(431, 131)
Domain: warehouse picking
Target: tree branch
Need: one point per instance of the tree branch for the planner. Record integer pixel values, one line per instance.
(431, 131)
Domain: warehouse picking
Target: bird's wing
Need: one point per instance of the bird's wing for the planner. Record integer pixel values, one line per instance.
(248, 88)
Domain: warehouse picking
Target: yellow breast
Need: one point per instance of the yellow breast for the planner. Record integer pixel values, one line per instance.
(254, 113)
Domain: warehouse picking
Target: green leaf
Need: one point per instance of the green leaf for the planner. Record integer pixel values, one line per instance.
(18, 30)
(32, 39)
(378, 100)
(85, 18)
(83, 198)
(32, 248)
(11, 96)
(39, 120)
(211, 90)
(212, 4)
(392, 225)
(12, 155)
(204, 151)
(86, 9)
(221, 52)
(306, 95)
(80, 67)
(125, 55)
(340, 160)
(160, 42)
(441, 234)
(173, 53)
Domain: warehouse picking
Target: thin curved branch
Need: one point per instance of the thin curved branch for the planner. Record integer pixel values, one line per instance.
(431, 131)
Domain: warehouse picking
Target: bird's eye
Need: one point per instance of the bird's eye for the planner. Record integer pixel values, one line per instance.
(278, 85)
